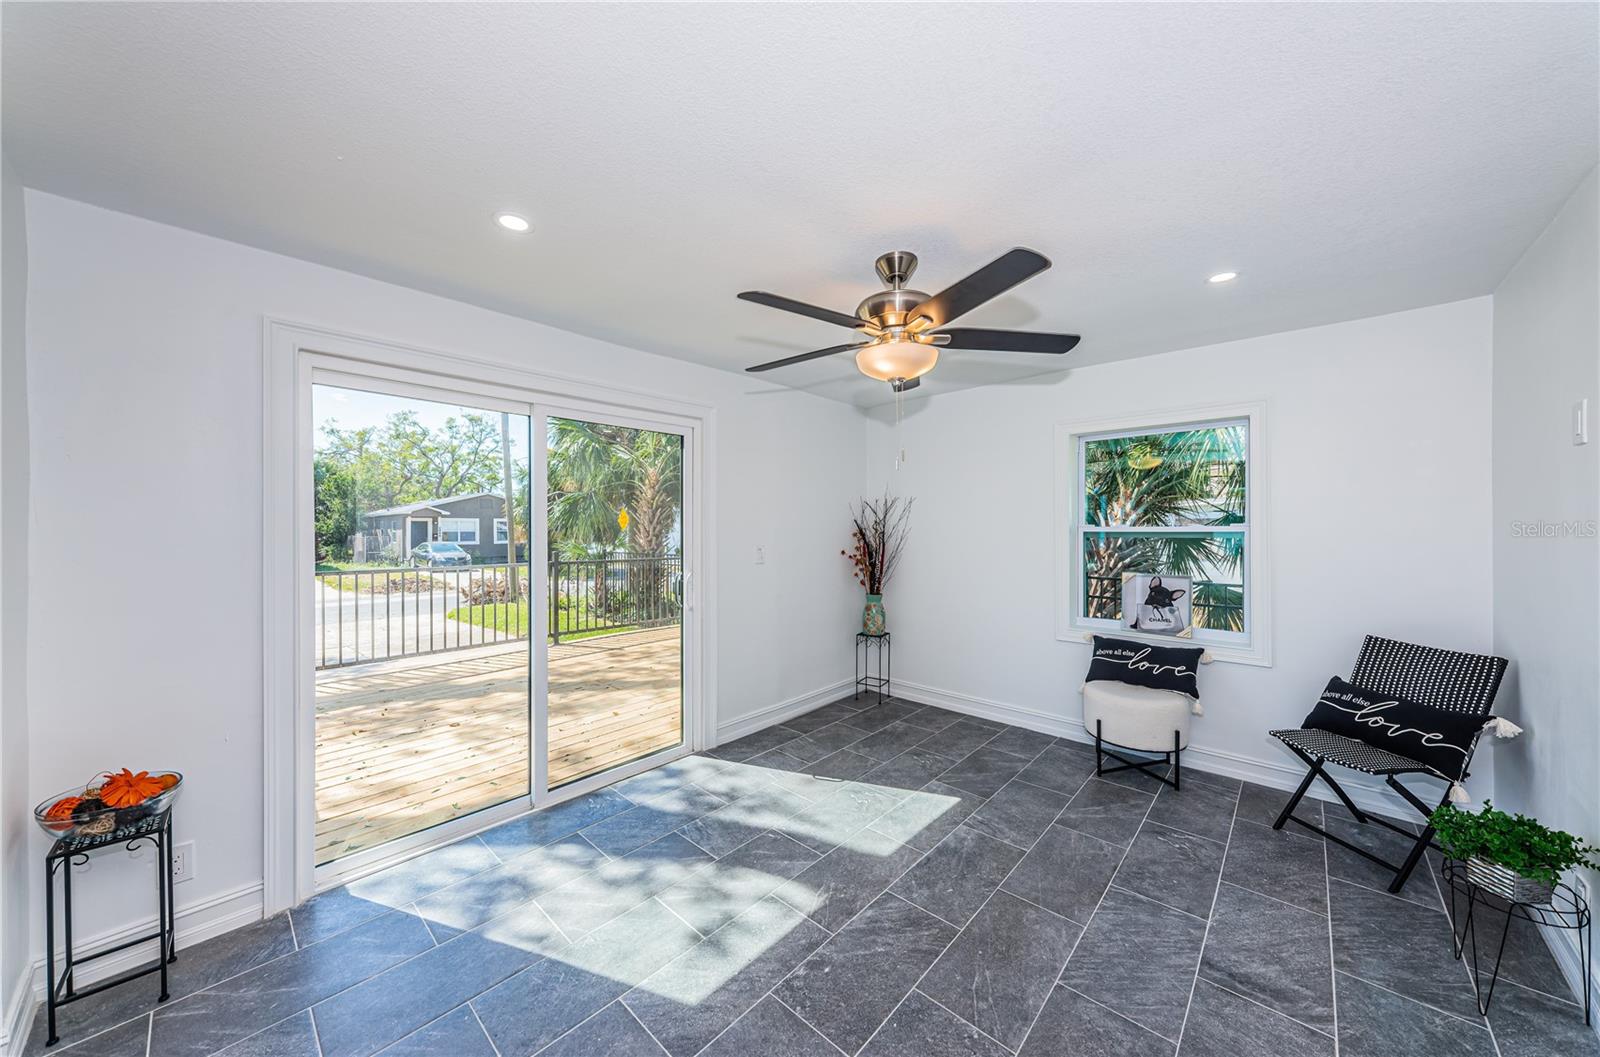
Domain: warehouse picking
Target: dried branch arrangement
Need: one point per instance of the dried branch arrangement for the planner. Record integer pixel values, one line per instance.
(879, 536)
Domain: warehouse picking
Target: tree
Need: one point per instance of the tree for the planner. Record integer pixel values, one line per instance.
(335, 507)
(598, 471)
(1188, 478)
(404, 461)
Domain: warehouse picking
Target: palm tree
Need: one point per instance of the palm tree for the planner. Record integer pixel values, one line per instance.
(597, 472)
(1167, 480)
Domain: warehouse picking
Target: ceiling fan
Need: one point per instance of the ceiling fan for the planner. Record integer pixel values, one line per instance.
(905, 329)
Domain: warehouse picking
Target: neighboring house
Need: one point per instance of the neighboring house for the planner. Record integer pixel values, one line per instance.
(477, 522)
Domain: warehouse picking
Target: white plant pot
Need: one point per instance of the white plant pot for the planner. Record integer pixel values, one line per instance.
(1507, 883)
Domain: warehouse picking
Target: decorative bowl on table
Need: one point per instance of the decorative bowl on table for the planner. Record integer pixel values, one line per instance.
(109, 802)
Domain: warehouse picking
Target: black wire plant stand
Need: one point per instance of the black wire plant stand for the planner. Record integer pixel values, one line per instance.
(73, 849)
(1566, 910)
(866, 682)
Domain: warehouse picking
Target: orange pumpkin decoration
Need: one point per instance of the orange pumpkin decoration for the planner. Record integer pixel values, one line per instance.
(61, 812)
(125, 789)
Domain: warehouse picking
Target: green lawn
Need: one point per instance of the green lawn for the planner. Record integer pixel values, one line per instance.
(516, 619)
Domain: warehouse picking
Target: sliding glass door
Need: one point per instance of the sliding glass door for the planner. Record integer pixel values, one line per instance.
(615, 568)
(422, 614)
(499, 608)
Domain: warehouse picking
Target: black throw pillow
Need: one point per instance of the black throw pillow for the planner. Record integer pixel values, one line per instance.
(1438, 738)
(1158, 667)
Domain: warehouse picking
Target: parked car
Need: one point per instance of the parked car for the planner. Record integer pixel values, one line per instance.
(435, 554)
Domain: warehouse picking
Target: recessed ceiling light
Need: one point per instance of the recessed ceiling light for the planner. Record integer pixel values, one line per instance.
(1223, 277)
(512, 222)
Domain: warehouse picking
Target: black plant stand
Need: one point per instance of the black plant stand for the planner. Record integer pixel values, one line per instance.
(866, 683)
(1566, 910)
(59, 991)
(1172, 759)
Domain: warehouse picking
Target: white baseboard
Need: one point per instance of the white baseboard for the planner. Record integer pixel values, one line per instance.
(775, 714)
(1276, 774)
(18, 1013)
(194, 923)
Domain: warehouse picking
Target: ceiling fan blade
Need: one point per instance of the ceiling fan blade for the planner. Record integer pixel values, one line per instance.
(804, 356)
(990, 281)
(1009, 341)
(789, 304)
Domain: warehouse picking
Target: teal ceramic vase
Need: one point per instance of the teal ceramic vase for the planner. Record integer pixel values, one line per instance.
(872, 618)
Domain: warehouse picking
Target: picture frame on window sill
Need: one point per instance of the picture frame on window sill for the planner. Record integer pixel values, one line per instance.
(1158, 604)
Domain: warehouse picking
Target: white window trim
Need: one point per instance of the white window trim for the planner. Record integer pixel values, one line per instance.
(1070, 627)
(445, 524)
(502, 534)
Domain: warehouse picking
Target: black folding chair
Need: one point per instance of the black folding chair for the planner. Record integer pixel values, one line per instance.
(1460, 682)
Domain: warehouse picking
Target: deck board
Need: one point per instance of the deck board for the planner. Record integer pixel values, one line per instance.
(404, 745)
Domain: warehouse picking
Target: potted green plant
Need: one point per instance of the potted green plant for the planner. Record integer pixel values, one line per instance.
(1513, 856)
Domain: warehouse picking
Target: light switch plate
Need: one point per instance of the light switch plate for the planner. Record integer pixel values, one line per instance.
(1580, 422)
(761, 555)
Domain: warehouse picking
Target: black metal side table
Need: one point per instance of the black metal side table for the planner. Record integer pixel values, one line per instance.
(59, 991)
(866, 683)
(1566, 910)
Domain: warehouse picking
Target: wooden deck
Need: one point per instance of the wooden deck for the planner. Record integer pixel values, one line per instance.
(403, 745)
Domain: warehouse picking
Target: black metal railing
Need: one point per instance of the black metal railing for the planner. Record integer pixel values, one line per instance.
(366, 615)
(608, 594)
(1103, 598)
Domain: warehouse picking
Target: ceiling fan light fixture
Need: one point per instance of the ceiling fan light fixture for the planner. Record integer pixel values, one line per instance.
(904, 329)
(896, 358)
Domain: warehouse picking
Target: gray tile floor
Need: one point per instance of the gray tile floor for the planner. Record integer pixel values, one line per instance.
(886, 880)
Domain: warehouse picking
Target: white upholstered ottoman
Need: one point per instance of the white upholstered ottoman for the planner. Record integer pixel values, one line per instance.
(1139, 718)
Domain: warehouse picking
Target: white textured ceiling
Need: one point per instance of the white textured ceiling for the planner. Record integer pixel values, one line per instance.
(1345, 159)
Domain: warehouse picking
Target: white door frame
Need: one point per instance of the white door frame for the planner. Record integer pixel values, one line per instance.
(293, 353)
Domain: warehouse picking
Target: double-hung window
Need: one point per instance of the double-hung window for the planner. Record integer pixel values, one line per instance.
(501, 534)
(1175, 501)
(458, 529)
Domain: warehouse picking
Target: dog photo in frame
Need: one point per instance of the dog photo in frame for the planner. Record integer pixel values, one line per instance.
(1158, 604)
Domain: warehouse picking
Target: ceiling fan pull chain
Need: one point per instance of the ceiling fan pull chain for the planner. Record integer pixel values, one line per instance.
(900, 427)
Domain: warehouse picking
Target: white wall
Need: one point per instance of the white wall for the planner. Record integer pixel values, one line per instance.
(1546, 617)
(1378, 451)
(16, 866)
(144, 355)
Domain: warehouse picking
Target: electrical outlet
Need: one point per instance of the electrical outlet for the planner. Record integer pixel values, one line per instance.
(183, 864)
(761, 555)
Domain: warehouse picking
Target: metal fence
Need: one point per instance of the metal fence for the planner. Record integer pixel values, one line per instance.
(608, 593)
(366, 615)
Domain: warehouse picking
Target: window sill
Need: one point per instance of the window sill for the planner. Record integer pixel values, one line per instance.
(1251, 655)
